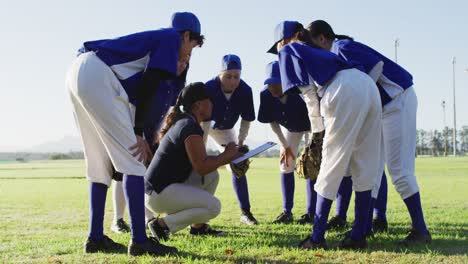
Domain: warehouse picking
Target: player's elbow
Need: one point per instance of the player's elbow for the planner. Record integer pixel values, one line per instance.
(201, 169)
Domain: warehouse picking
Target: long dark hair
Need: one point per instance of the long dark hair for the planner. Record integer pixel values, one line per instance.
(191, 94)
(303, 35)
(200, 39)
(174, 114)
(321, 27)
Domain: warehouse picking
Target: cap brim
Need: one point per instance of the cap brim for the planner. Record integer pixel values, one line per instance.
(273, 49)
(272, 81)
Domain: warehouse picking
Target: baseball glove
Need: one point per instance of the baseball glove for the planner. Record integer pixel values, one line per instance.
(308, 166)
(241, 168)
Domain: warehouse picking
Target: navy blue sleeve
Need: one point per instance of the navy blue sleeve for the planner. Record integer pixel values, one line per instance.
(146, 91)
(189, 128)
(248, 111)
(358, 53)
(166, 55)
(265, 111)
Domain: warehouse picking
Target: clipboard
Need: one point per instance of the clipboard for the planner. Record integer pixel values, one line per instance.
(255, 152)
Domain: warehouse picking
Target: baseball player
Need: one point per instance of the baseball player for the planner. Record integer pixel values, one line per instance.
(164, 98)
(351, 111)
(111, 85)
(289, 111)
(399, 103)
(232, 98)
(182, 179)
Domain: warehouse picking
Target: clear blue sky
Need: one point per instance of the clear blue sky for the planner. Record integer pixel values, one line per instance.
(40, 39)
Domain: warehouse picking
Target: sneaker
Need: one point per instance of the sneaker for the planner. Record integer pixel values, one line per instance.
(416, 237)
(206, 230)
(349, 243)
(103, 245)
(158, 231)
(120, 227)
(309, 244)
(284, 218)
(150, 246)
(337, 222)
(247, 218)
(379, 226)
(306, 219)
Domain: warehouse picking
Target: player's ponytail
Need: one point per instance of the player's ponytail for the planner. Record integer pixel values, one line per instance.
(304, 36)
(321, 27)
(191, 94)
(174, 114)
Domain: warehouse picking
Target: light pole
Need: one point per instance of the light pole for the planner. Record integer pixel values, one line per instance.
(397, 44)
(454, 111)
(445, 130)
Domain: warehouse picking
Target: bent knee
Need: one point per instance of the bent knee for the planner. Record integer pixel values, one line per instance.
(214, 207)
(406, 185)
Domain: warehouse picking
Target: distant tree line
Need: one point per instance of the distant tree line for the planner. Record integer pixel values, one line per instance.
(428, 143)
(440, 142)
(27, 156)
(66, 156)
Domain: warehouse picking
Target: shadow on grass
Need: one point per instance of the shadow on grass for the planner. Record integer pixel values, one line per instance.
(231, 258)
(448, 239)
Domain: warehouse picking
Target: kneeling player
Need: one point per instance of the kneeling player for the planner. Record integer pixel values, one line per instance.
(182, 179)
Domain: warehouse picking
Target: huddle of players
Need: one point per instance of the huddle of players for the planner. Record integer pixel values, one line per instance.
(361, 104)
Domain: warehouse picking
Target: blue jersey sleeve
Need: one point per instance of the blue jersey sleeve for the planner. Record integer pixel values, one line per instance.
(166, 55)
(293, 71)
(358, 53)
(299, 61)
(248, 111)
(265, 111)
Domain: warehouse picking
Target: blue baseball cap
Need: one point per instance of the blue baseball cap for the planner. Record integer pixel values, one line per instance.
(273, 73)
(285, 29)
(231, 62)
(183, 21)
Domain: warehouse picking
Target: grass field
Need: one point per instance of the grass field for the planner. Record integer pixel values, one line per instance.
(44, 214)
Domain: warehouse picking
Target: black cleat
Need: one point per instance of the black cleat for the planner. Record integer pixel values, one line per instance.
(158, 231)
(379, 226)
(206, 230)
(307, 243)
(248, 218)
(415, 237)
(120, 227)
(284, 218)
(103, 245)
(349, 243)
(150, 246)
(306, 219)
(369, 234)
(336, 222)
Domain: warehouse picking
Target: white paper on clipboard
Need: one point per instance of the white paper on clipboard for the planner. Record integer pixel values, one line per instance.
(255, 152)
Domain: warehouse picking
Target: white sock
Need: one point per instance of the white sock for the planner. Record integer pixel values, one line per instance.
(119, 201)
(148, 214)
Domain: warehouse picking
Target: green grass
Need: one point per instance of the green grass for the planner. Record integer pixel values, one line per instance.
(44, 214)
